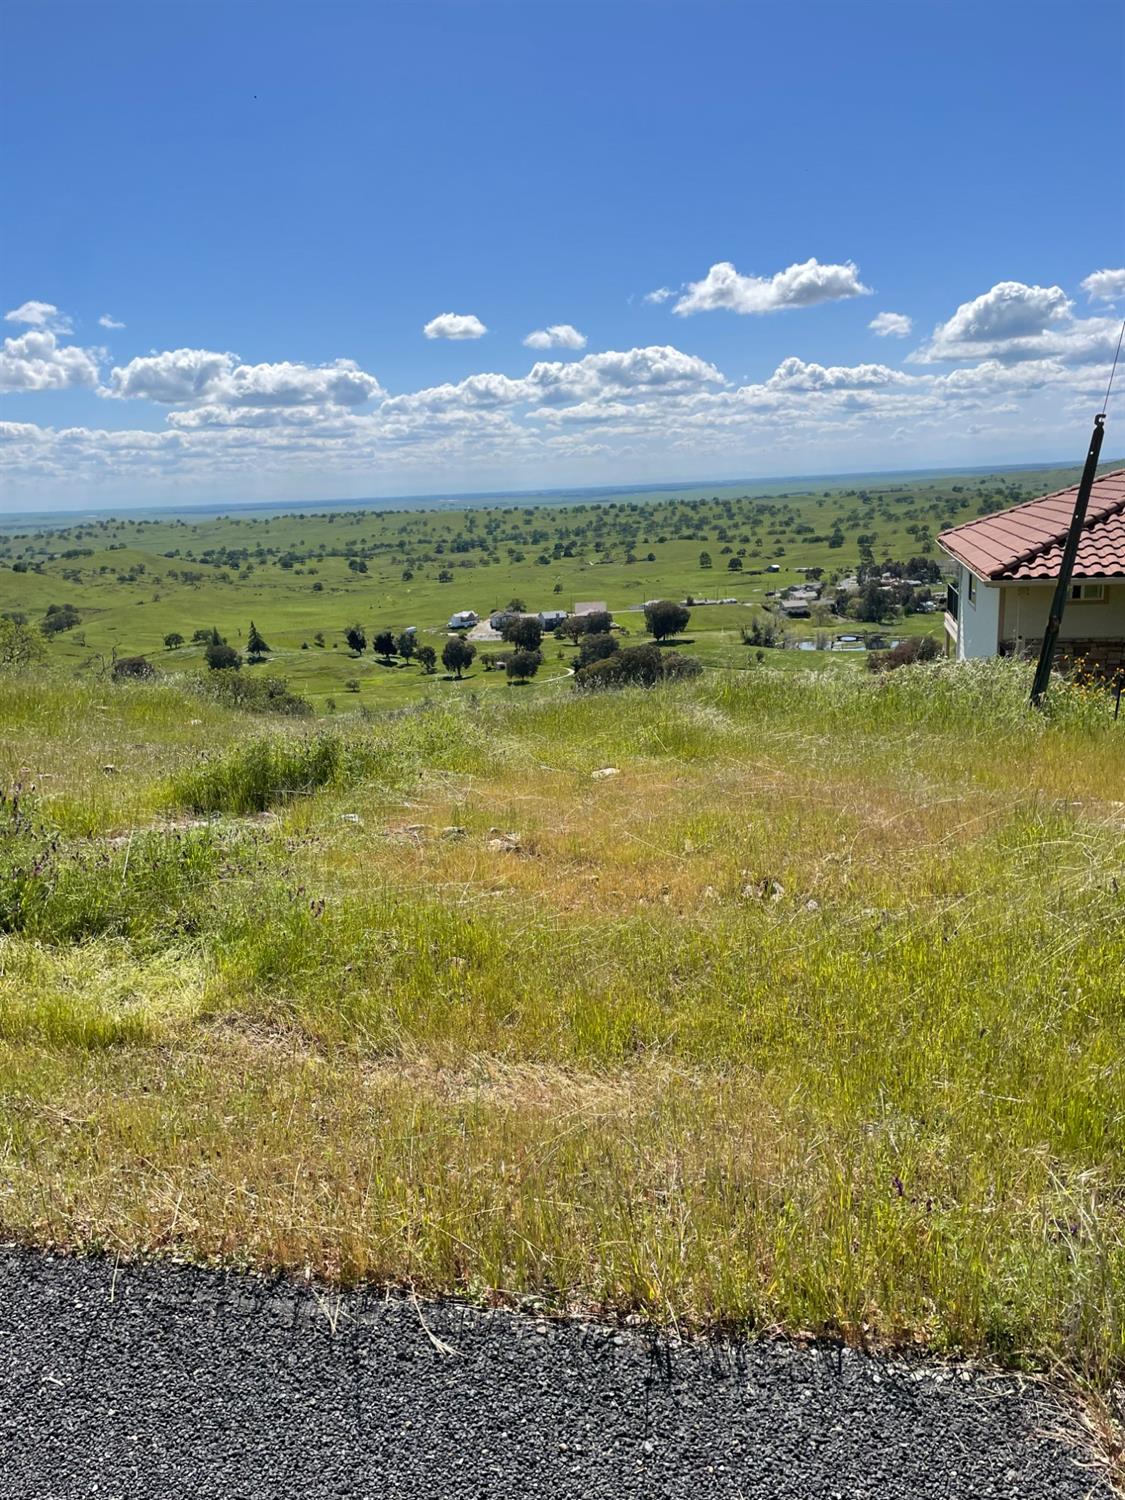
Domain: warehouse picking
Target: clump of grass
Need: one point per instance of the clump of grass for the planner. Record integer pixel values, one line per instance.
(151, 886)
(253, 777)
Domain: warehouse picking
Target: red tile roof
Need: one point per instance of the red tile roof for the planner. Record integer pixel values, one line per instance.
(1027, 541)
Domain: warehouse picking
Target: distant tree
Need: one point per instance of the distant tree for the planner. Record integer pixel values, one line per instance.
(524, 631)
(59, 617)
(596, 648)
(352, 685)
(734, 564)
(132, 669)
(705, 560)
(407, 575)
(356, 637)
(407, 645)
(20, 646)
(427, 658)
(557, 589)
(256, 647)
(445, 576)
(664, 617)
(384, 644)
(205, 635)
(457, 654)
(173, 639)
(220, 657)
(516, 605)
(597, 622)
(318, 587)
(318, 639)
(522, 664)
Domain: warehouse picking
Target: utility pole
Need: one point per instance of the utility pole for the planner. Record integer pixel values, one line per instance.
(1066, 567)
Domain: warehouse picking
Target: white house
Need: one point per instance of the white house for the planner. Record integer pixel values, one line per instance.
(1008, 566)
(463, 619)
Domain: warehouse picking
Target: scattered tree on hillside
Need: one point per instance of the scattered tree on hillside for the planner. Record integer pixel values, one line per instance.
(356, 637)
(664, 618)
(20, 646)
(597, 622)
(384, 645)
(59, 617)
(524, 631)
(205, 635)
(256, 647)
(406, 645)
(427, 658)
(173, 639)
(517, 606)
(734, 564)
(457, 654)
(221, 658)
(705, 560)
(596, 648)
(522, 664)
(318, 638)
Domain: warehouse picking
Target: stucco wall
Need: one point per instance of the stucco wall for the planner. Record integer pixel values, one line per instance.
(1026, 606)
(978, 622)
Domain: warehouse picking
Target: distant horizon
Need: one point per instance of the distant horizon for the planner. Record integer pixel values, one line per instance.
(474, 499)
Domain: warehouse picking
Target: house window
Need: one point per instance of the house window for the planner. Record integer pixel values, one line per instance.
(971, 591)
(1086, 593)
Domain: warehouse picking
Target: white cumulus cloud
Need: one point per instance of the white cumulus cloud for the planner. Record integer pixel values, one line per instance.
(36, 361)
(39, 315)
(1012, 322)
(204, 376)
(659, 294)
(799, 285)
(887, 324)
(557, 336)
(455, 326)
(1104, 286)
(107, 321)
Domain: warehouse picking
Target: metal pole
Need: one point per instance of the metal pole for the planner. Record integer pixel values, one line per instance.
(1066, 567)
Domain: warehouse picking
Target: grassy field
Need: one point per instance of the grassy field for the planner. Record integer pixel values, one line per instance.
(809, 1015)
(297, 574)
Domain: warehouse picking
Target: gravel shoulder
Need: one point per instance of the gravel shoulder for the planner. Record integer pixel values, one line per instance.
(139, 1383)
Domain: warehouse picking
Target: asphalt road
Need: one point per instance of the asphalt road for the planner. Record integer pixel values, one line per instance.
(160, 1381)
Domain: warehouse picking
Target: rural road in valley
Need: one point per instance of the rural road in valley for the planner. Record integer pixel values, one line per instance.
(159, 1381)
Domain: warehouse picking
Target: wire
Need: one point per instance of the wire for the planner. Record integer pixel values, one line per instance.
(1113, 372)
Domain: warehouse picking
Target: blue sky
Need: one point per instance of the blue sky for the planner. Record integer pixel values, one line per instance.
(259, 192)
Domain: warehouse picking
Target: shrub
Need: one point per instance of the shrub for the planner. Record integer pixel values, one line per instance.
(132, 669)
(222, 658)
(664, 617)
(914, 649)
(254, 695)
(636, 666)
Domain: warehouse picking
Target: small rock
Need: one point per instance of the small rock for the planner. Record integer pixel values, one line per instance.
(110, 770)
(812, 905)
(454, 831)
(193, 722)
(350, 818)
(605, 771)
